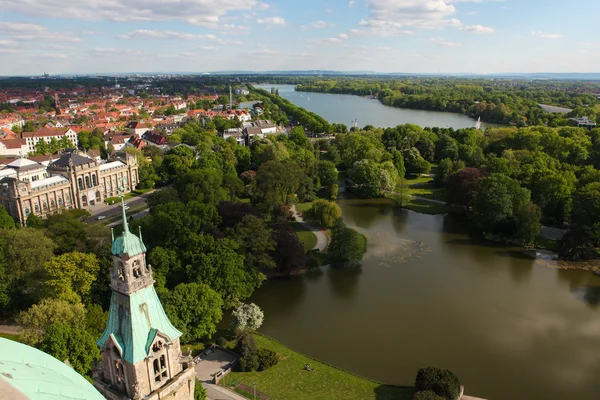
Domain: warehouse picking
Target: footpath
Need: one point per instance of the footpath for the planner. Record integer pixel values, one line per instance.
(321, 237)
(215, 392)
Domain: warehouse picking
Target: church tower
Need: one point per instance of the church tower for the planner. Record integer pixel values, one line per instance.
(141, 354)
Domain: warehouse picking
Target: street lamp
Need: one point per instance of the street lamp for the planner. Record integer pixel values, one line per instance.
(254, 386)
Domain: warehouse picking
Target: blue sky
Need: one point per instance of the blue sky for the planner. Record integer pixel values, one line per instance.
(449, 36)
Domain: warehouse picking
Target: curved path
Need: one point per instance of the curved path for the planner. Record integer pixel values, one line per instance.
(322, 241)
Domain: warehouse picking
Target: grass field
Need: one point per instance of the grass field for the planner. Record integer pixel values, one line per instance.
(308, 239)
(426, 207)
(303, 207)
(16, 338)
(288, 380)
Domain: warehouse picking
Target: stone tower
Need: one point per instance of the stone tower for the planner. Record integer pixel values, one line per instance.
(141, 354)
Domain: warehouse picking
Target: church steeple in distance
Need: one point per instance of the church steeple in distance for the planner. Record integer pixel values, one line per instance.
(141, 353)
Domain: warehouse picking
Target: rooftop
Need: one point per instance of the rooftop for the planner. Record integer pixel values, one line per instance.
(49, 181)
(77, 159)
(554, 109)
(112, 164)
(28, 373)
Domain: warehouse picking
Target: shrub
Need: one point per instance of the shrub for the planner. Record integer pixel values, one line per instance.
(199, 391)
(246, 347)
(221, 341)
(441, 381)
(426, 395)
(266, 359)
(314, 259)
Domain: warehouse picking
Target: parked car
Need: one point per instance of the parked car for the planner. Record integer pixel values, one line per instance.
(101, 217)
(126, 207)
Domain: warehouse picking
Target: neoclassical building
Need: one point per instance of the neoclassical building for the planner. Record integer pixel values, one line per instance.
(72, 181)
(141, 353)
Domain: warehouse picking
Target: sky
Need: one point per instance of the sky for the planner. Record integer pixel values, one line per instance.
(412, 36)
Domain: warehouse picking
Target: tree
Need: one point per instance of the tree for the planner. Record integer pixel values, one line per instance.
(528, 223)
(6, 221)
(37, 319)
(219, 264)
(247, 318)
(497, 200)
(95, 319)
(203, 185)
(68, 230)
(70, 276)
(23, 252)
(441, 381)
(298, 136)
(327, 174)
(195, 309)
(325, 212)
(414, 163)
(289, 252)
(246, 347)
(365, 178)
(460, 186)
(255, 241)
(347, 246)
(78, 346)
(426, 395)
(275, 182)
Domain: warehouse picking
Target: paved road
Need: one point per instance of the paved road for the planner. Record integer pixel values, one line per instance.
(214, 392)
(11, 329)
(322, 241)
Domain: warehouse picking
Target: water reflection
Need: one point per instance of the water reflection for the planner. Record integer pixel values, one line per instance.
(588, 294)
(343, 281)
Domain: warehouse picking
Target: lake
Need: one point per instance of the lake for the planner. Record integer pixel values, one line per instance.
(426, 295)
(345, 109)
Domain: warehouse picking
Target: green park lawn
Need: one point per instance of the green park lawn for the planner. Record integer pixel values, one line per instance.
(288, 380)
(307, 238)
(15, 338)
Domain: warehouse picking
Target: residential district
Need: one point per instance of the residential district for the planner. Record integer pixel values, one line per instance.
(44, 167)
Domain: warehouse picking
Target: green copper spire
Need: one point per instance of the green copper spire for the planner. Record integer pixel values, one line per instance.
(127, 242)
(125, 225)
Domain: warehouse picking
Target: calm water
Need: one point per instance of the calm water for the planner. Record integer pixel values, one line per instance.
(510, 328)
(345, 109)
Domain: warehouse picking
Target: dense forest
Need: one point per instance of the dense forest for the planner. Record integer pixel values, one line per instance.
(494, 100)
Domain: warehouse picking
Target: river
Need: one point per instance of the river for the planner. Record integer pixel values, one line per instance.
(427, 295)
(345, 109)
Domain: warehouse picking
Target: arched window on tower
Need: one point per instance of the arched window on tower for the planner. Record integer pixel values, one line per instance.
(137, 272)
(121, 271)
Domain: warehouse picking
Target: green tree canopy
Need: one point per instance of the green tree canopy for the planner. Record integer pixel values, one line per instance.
(78, 346)
(70, 276)
(195, 309)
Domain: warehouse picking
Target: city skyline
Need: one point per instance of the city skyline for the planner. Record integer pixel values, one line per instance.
(411, 36)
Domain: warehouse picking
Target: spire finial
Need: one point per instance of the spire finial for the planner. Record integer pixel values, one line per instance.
(125, 226)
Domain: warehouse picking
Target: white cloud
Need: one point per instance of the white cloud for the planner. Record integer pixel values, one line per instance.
(8, 43)
(351, 3)
(31, 32)
(442, 42)
(150, 34)
(234, 29)
(477, 29)
(197, 12)
(380, 28)
(545, 35)
(263, 53)
(113, 52)
(271, 22)
(409, 13)
(315, 25)
(10, 51)
(330, 41)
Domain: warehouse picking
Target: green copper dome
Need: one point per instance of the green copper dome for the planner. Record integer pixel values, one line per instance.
(127, 242)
